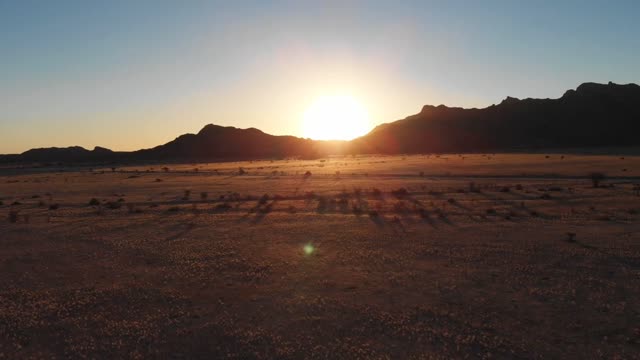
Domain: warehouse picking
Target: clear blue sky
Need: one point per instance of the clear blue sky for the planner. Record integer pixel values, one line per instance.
(132, 74)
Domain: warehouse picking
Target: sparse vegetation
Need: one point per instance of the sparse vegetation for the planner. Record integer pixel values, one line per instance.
(54, 206)
(94, 202)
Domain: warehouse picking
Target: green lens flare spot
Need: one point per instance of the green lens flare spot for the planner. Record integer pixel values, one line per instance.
(309, 249)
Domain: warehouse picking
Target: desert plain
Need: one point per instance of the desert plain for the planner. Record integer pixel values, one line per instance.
(526, 256)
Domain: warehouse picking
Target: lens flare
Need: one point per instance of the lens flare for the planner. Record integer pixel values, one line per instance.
(309, 249)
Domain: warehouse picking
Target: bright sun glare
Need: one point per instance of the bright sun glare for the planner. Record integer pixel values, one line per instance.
(337, 117)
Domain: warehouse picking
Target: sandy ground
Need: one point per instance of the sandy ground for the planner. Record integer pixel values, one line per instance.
(456, 256)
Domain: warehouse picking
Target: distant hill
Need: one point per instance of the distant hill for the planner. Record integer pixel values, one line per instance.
(226, 142)
(591, 116)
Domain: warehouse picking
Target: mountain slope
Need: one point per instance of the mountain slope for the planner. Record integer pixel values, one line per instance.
(592, 115)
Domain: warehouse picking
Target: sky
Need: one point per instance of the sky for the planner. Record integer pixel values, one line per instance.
(134, 74)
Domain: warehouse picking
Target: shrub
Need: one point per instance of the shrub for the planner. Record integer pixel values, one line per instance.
(597, 178)
(263, 200)
(491, 211)
(54, 206)
(94, 202)
(187, 195)
(400, 193)
(223, 206)
(113, 205)
(13, 216)
(376, 192)
(241, 171)
(173, 209)
(373, 214)
(451, 201)
(1, 203)
(307, 174)
(204, 195)
(158, 180)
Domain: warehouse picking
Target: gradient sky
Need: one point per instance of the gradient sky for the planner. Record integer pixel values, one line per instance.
(133, 74)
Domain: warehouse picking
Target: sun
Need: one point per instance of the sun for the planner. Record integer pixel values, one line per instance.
(336, 117)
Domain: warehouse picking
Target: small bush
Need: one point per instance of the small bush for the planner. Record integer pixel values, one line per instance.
(94, 202)
(173, 209)
(376, 192)
(187, 195)
(1, 203)
(307, 174)
(54, 206)
(263, 200)
(15, 203)
(158, 180)
(241, 171)
(223, 206)
(400, 193)
(373, 214)
(491, 211)
(451, 201)
(597, 178)
(113, 205)
(204, 195)
(519, 187)
(13, 216)
(505, 189)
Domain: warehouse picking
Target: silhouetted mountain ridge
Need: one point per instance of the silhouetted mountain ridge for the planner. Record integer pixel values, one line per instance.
(592, 115)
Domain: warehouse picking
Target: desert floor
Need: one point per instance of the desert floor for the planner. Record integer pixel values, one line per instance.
(452, 256)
